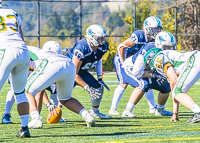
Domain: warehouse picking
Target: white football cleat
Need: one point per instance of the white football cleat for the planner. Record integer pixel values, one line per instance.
(152, 110)
(99, 115)
(113, 112)
(89, 119)
(162, 112)
(128, 114)
(35, 123)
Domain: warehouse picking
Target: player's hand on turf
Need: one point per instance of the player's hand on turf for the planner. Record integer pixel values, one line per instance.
(50, 107)
(93, 92)
(174, 117)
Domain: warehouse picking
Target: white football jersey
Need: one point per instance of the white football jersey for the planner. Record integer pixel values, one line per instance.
(177, 59)
(9, 23)
(38, 54)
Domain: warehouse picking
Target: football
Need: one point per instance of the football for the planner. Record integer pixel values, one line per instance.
(54, 116)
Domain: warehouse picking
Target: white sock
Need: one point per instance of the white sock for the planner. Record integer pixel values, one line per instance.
(35, 114)
(195, 108)
(117, 96)
(83, 112)
(95, 109)
(24, 120)
(160, 106)
(150, 98)
(130, 106)
(10, 99)
(54, 99)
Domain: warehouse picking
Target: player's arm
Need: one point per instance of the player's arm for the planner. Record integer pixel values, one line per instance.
(98, 68)
(122, 46)
(170, 73)
(77, 64)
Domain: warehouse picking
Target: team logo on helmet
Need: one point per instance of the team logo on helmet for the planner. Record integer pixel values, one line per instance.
(161, 39)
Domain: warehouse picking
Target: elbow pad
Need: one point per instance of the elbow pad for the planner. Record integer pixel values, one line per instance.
(118, 47)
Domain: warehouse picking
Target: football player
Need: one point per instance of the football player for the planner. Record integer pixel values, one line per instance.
(135, 74)
(152, 25)
(86, 54)
(182, 69)
(14, 59)
(54, 68)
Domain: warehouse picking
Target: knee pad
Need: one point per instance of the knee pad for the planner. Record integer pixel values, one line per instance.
(20, 98)
(96, 102)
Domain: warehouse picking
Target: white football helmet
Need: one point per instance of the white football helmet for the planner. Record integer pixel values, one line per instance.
(152, 26)
(53, 46)
(165, 38)
(95, 34)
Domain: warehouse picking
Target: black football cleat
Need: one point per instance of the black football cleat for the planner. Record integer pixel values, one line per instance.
(23, 132)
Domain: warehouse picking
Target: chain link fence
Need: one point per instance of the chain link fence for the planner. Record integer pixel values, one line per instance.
(67, 20)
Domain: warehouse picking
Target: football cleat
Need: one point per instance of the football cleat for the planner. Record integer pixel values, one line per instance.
(35, 123)
(128, 114)
(62, 120)
(23, 132)
(89, 119)
(99, 115)
(152, 110)
(6, 119)
(194, 119)
(113, 112)
(162, 112)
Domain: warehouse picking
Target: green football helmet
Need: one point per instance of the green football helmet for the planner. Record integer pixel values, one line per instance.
(149, 58)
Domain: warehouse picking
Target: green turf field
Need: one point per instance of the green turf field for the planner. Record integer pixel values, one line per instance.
(144, 128)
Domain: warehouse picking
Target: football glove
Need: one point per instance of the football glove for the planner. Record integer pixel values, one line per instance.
(159, 78)
(50, 107)
(93, 92)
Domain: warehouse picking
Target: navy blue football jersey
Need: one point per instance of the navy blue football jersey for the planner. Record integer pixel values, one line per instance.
(84, 52)
(139, 39)
(144, 50)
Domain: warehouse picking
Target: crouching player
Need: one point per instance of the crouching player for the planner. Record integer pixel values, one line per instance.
(134, 73)
(86, 54)
(171, 63)
(55, 68)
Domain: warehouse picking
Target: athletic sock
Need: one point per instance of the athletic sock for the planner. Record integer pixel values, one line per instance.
(24, 120)
(150, 98)
(130, 106)
(195, 108)
(117, 96)
(35, 114)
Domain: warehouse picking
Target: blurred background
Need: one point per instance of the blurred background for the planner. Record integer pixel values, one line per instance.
(67, 20)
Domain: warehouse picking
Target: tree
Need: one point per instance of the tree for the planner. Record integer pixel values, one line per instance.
(190, 18)
(115, 20)
(55, 23)
(70, 21)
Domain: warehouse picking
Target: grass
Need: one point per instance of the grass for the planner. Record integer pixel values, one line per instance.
(144, 128)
